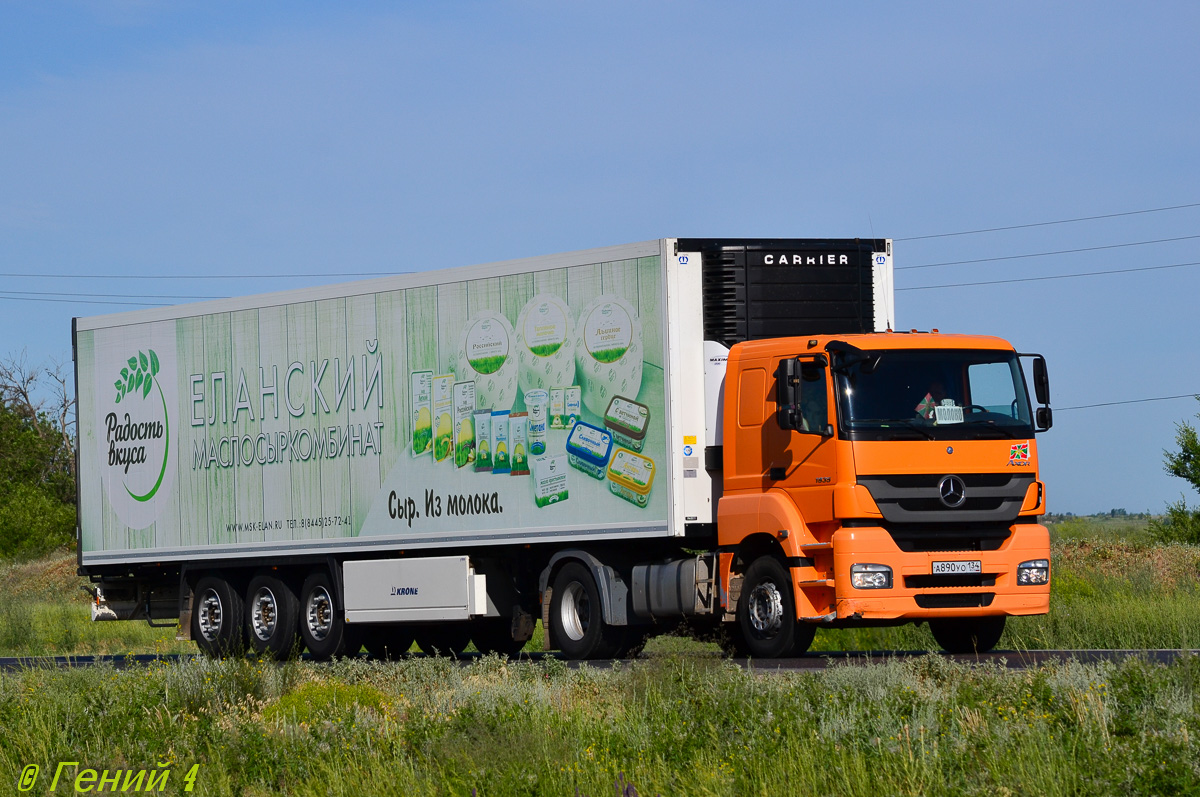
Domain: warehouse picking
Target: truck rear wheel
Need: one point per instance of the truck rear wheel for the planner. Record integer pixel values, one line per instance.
(576, 618)
(968, 634)
(766, 613)
(449, 639)
(217, 613)
(322, 623)
(272, 617)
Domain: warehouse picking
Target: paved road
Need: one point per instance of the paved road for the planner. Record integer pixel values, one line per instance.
(1011, 659)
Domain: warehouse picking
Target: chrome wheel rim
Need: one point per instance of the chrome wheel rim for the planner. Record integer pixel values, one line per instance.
(264, 614)
(318, 612)
(765, 608)
(574, 611)
(211, 615)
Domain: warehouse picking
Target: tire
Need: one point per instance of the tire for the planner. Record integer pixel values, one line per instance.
(767, 627)
(449, 639)
(322, 621)
(387, 642)
(494, 635)
(968, 634)
(217, 612)
(272, 617)
(577, 624)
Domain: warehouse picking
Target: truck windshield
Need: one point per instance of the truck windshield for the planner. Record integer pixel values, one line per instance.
(955, 394)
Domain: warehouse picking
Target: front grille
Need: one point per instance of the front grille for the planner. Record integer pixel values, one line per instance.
(946, 539)
(961, 600)
(960, 580)
(915, 498)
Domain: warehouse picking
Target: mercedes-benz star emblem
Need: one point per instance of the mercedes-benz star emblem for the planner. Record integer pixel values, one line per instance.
(953, 491)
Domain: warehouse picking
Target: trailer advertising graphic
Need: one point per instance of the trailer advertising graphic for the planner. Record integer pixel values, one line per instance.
(422, 413)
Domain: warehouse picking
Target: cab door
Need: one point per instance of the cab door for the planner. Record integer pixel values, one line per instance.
(803, 461)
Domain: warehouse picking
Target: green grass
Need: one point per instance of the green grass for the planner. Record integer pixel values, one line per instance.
(669, 725)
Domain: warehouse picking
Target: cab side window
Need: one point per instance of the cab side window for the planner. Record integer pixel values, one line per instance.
(814, 405)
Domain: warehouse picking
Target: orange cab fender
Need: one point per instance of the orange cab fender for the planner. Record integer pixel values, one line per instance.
(772, 513)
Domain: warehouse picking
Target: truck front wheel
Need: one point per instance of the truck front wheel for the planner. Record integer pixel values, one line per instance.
(322, 624)
(217, 618)
(272, 617)
(967, 634)
(766, 613)
(576, 618)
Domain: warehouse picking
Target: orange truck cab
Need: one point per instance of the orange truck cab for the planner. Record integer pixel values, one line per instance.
(896, 474)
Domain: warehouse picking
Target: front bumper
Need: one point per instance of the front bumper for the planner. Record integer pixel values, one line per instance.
(916, 593)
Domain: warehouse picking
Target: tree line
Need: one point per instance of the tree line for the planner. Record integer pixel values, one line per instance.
(37, 458)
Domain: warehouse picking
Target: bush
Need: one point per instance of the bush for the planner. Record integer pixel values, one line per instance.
(32, 522)
(1180, 524)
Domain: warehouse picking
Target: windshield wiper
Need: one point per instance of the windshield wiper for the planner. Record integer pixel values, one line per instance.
(908, 424)
(991, 426)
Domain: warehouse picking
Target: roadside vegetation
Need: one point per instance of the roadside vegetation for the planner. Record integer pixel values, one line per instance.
(670, 724)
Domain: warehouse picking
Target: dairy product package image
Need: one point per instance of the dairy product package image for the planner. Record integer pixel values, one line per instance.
(549, 480)
(558, 408)
(573, 404)
(486, 356)
(518, 445)
(483, 436)
(545, 343)
(588, 448)
(628, 421)
(608, 351)
(500, 428)
(537, 403)
(464, 423)
(443, 413)
(421, 391)
(631, 476)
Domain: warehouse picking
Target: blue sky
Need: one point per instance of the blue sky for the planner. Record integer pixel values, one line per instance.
(149, 140)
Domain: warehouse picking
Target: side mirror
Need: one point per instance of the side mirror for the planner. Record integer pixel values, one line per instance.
(1041, 380)
(787, 394)
(1045, 418)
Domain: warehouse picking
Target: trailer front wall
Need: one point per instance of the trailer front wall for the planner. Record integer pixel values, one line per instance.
(306, 426)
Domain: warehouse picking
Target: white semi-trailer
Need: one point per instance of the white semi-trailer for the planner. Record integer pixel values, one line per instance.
(449, 456)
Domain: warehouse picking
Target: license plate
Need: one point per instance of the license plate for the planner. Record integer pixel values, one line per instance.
(942, 568)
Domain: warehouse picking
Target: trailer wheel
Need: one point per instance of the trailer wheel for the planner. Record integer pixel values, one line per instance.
(449, 639)
(272, 617)
(494, 635)
(576, 618)
(766, 613)
(217, 618)
(387, 642)
(322, 623)
(967, 634)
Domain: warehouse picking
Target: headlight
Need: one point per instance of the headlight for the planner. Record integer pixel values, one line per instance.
(1035, 571)
(870, 576)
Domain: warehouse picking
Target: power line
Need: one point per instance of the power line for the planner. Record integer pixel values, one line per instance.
(1050, 277)
(1048, 223)
(1047, 254)
(207, 276)
(111, 295)
(76, 301)
(1130, 401)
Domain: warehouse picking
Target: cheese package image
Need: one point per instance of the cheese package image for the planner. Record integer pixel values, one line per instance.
(518, 424)
(421, 385)
(443, 413)
(483, 436)
(464, 423)
(500, 461)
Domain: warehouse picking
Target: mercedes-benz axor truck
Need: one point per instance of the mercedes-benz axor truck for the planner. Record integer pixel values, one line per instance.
(729, 432)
